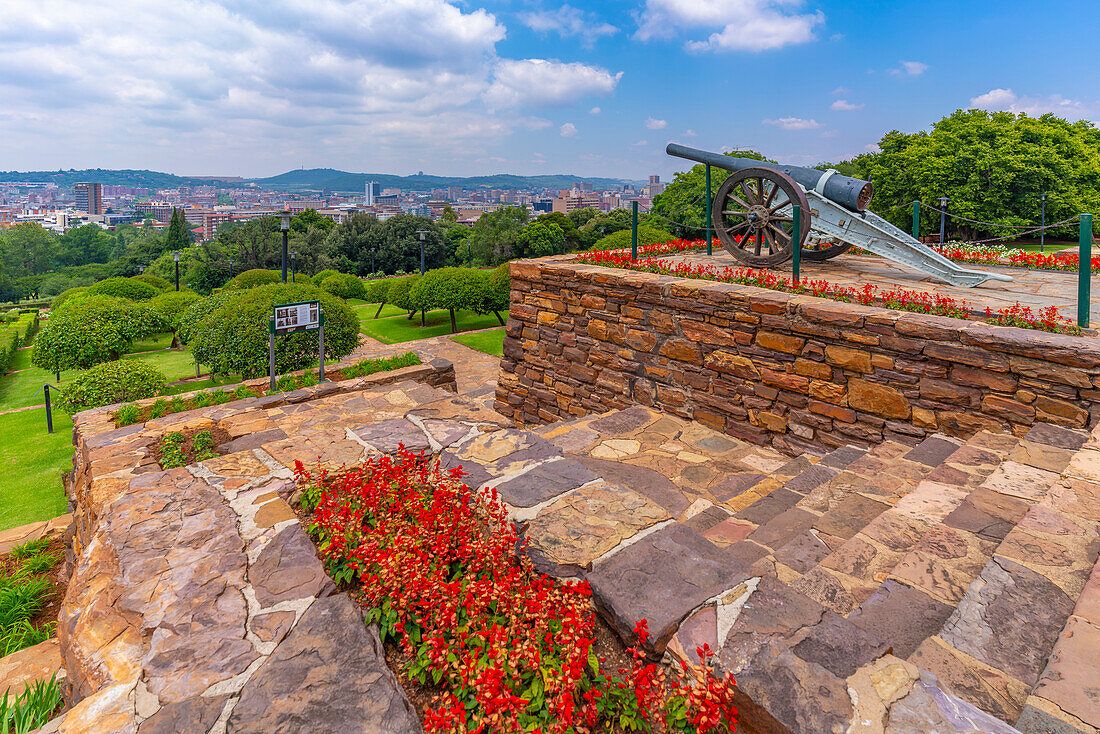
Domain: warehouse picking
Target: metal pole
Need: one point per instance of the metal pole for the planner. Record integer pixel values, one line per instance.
(321, 345)
(1043, 223)
(177, 275)
(1084, 271)
(271, 352)
(634, 230)
(421, 257)
(796, 249)
(916, 221)
(49, 413)
(943, 217)
(709, 222)
(286, 234)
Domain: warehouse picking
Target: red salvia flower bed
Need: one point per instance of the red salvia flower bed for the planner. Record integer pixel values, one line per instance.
(507, 648)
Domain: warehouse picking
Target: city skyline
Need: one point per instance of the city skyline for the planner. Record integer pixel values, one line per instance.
(528, 88)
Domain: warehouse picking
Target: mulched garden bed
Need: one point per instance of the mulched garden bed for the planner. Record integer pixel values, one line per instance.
(183, 448)
(59, 582)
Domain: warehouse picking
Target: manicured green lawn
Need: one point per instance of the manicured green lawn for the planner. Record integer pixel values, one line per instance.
(365, 311)
(490, 342)
(32, 463)
(401, 329)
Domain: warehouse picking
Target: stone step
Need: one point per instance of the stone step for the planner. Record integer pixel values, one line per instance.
(996, 646)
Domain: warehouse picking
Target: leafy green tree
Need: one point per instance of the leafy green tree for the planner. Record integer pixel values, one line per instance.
(91, 330)
(684, 200)
(400, 246)
(171, 306)
(29, 249)
(253, 243)
(567, 226)
(450, 288)
(350, 242)
(87, 244)
(310, 219)
(539, 239)
(602, 225)
(581, 217)
(120, 381)
(179, 232)
(494, 236)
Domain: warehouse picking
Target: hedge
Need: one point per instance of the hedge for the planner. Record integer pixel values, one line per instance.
(342, 285)
(119, 381)
(647, 235)
(374, 291)
(153, 280)
(449, 288)
(15, 335)
(172, 305)
(399, 290)
(128, 288)
(253, 278)
(64, 296)
(232, 337)
(319, 278)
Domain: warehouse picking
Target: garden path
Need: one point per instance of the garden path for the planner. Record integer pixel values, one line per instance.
(473, 369)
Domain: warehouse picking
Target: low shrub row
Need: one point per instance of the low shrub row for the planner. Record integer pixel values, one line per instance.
(494, 644)
(16, 334)
(454, 289)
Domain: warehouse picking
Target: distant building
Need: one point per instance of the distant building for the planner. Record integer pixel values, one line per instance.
(655, 186)
(371, 192)
(89, 197)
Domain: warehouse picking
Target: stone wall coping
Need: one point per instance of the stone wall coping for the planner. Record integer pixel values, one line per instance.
(1064, 349)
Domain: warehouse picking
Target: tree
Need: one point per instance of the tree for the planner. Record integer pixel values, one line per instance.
(253, 243)
(539, 239)
(179, 232)
(350, 242)
(567, 226)
(580, 217)
(400, 245)
(87, 244)
(684, 200)
(29, 249)
(493, 237)
(449, 288)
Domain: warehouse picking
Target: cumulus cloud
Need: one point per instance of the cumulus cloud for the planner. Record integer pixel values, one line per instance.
(568, 21)
(568, 130)
(1009, 101)
(227, 84)
(844, 105)
(743, 25)
(909, 68)
(655, 124)
(544, 82)
(594, 111)
(794, 123)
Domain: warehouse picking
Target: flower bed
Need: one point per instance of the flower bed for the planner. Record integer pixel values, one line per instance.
(133, 413)
(1000, 255)
(898, 299)
(501, 647)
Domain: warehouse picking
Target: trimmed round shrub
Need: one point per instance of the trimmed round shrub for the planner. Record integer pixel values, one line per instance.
(647, 235)
(496, 291)
(153, 280)
(90, 330)
(253, 278)
(342, 285)
(134, 319)
(128, 288)
(67, 295)
(232, 338)
(172, 305)
(197, 311)
(120, 381)
(398, 293)
(375, 291)
(319, 278)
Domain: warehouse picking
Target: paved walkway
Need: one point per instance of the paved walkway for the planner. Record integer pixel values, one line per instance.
(474, 370)
(1035, 288)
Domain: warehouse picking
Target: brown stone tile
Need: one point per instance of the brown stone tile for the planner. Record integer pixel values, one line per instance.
(1075, 497)
(1071, 679)
(901, 616)
(895, 531)
(850, 515)
(802, 552)
(834, 590)
(1060, 547)
(1019, 480)
(838, 645)
(730, 530)
(861, 558)
(1064, 438)
(989, 689)
(1041, 456)
(944, 563)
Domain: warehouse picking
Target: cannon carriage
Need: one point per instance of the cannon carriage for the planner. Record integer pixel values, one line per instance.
(753, 216)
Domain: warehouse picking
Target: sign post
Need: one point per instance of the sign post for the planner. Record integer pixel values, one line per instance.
(288, 318)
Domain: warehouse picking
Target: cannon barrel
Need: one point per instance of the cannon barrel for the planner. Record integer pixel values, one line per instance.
(852, 193)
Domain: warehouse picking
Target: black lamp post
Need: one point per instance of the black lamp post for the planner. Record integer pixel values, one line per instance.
(423, 235)
(284, 225)
(943, 217)
(176, 257)
(141, 269)
(1043, 223)
(372, 261)
(231, 268)
(293, 268)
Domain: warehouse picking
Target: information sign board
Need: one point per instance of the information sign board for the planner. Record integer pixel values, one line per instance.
(292, 317)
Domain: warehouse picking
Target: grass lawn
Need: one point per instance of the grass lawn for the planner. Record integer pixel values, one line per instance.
(365, 311)
(33, 462)
(490, 342)
(401, 329)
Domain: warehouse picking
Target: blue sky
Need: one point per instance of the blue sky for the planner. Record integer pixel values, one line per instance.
(245, 87)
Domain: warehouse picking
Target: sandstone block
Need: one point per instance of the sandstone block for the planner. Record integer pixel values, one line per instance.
(883, 400)
(732, 364)
(856, 360)
(779, 342)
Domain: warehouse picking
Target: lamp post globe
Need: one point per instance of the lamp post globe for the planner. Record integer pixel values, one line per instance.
(284, 227)
(176, 258)
(423, 234)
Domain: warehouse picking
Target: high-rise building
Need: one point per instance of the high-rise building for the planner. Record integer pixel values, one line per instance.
(655, 186)
(89, 197)
(371, 192)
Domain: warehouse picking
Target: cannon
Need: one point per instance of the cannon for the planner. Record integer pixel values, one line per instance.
(752, 211)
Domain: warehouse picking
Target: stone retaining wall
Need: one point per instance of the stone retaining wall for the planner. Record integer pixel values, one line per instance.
(799, 372)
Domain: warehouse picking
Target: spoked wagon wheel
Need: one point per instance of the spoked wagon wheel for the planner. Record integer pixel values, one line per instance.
(821, 251)
(753, 216)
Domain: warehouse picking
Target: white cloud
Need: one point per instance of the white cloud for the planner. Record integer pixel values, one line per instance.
(568, 21)
(794, 123)
(840, 91)
(655, 124)
(689, 133)
(519, 82)
(910, 68)
(844, 105)
(639, 144)
(568, 130)
(594, 111)
(744, 25)
(1009, 101)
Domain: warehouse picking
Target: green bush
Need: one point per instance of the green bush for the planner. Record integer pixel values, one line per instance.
(120, 381)
(67, 295)
(128, 288)
(496, 291)
(398, 292)
(319, 278)
(197, 311)
(450, 288)
(647, 235)
(15, 335)
(342, 285)
(91, 330)
(253, 278)
(149, 279)
(233, 337)
(172, 305)
(374, 291)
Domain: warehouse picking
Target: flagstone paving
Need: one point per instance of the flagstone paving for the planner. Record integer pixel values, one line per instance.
(950, 586)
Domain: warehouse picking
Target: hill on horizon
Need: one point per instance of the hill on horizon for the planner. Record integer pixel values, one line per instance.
(307, 179)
